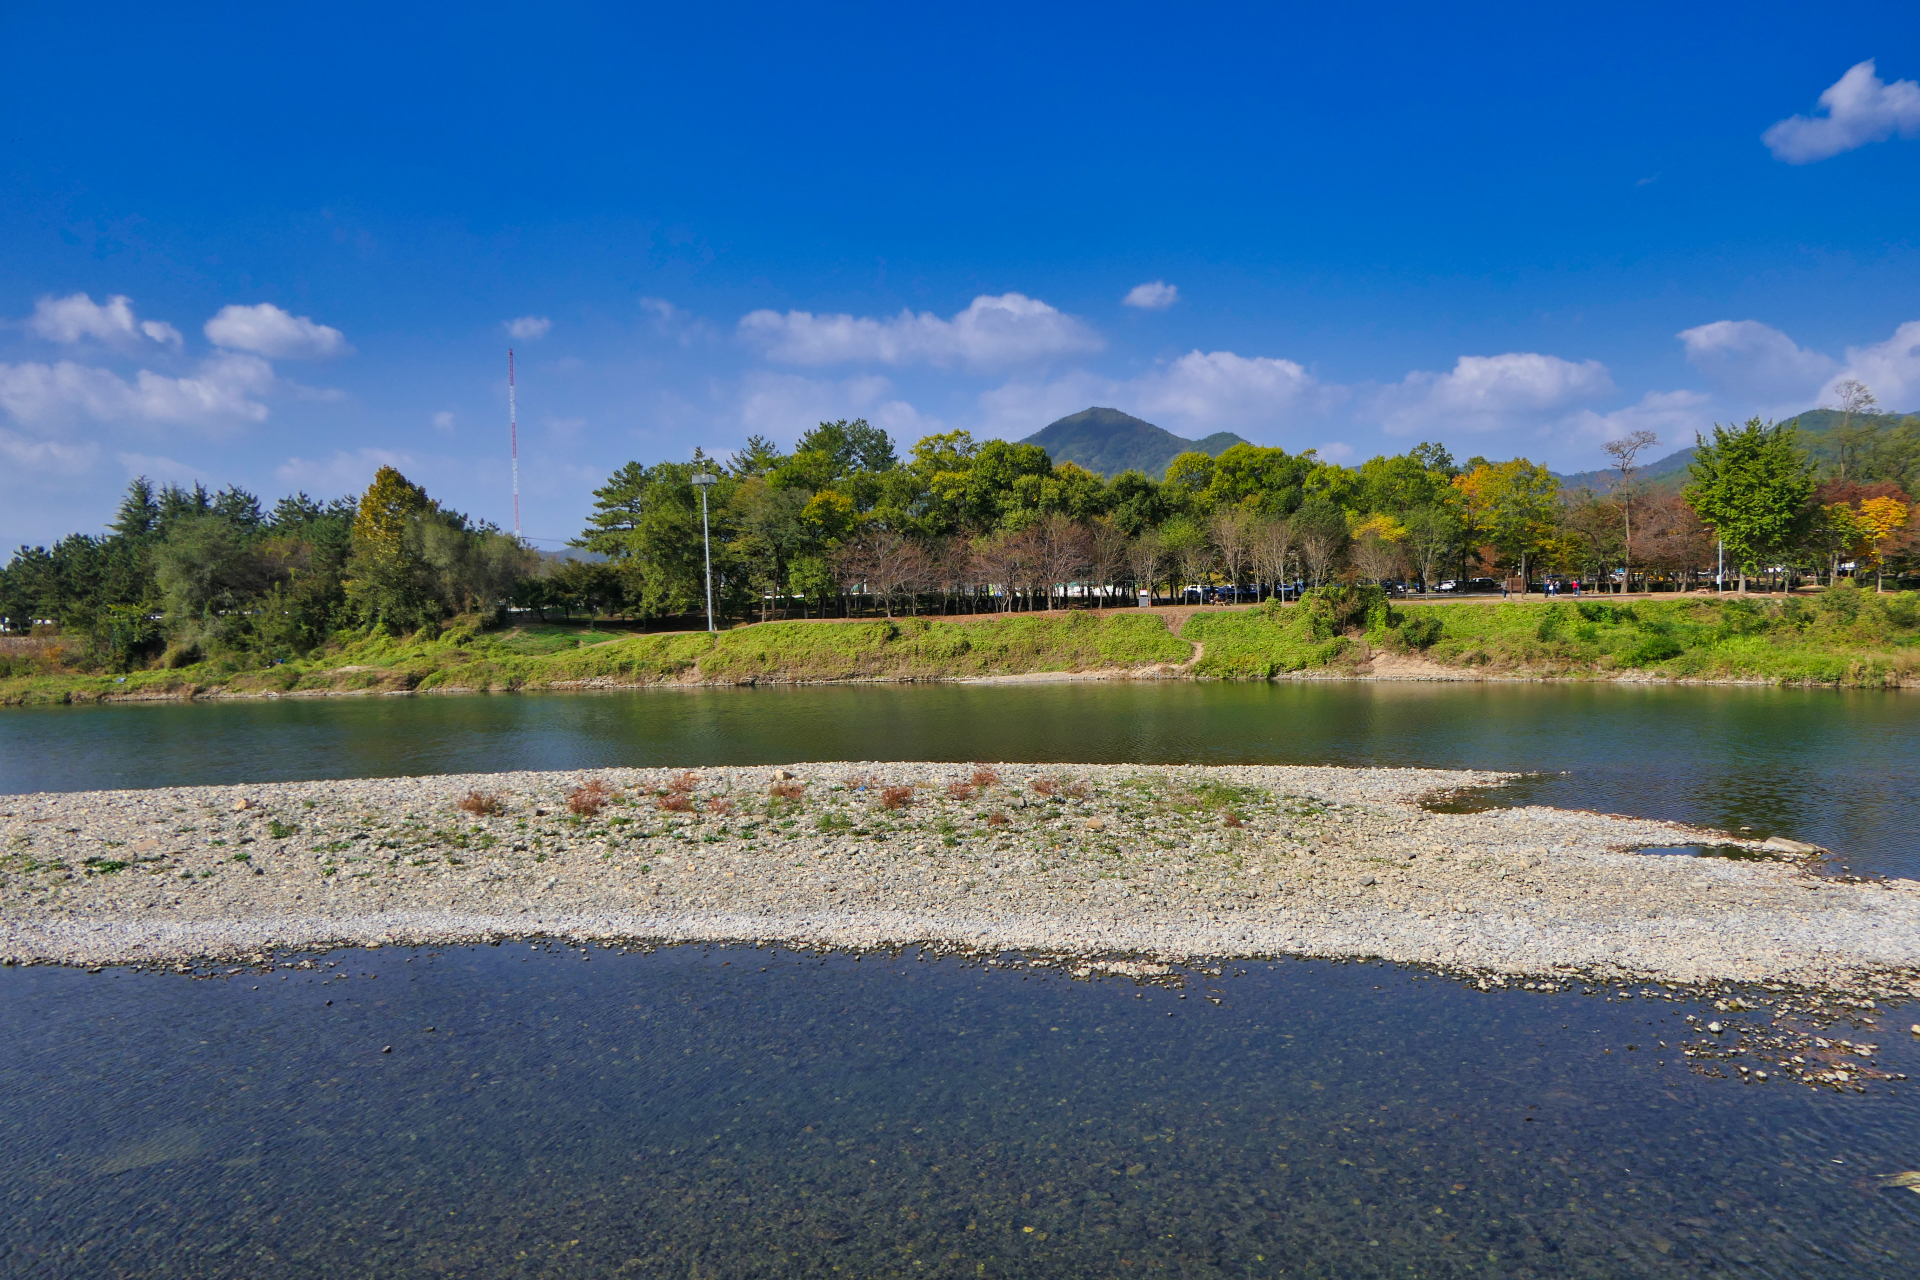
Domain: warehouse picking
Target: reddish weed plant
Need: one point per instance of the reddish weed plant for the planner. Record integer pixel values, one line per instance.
(1233, 820)
(675, 802)
(1079, 789)
(681, 784)
(959, 791)
(861, 782)
(997, 819)
(787, 790)
(984, 777)
(589, 798)
(1045, 786)
(897, 797)
(720, 804)
(481, 804)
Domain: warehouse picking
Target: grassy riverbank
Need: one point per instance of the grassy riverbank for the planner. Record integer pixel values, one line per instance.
(1845, 638)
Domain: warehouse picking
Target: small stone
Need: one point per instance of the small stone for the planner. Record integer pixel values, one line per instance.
(1368, 880)
(242, 804)
(1715, 1027)
(783, 775)
(388, 1049)
(1096, 824)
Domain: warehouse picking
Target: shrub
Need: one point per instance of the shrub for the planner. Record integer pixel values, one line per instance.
(1045, 786)
(1611, 614)
(720, 804)
(682, 783)
(1419, 631)
(281, 830)
(984, 777)
(787, 790)
(481, 804)
(588, 799)
(959, 791)
(676, 802)
(861, 782)
(897, 797)
(997, 819)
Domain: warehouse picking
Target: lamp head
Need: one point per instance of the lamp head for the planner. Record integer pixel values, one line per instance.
(704, 479)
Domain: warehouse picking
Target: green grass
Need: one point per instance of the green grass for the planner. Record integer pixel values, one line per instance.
(1844, 637)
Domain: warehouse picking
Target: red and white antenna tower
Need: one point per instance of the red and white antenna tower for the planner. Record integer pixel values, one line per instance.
(513, 431)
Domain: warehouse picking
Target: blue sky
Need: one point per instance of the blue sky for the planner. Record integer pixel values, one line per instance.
(278, 248)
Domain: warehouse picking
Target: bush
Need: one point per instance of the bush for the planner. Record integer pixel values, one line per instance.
(588, 799)
(481, 804)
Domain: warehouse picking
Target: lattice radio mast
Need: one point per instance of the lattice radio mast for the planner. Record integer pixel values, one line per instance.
(513, 432)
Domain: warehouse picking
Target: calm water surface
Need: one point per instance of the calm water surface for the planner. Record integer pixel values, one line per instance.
(746, 1113)
(1831, 768)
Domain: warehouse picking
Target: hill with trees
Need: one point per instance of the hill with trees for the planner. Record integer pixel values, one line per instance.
(1108, 442)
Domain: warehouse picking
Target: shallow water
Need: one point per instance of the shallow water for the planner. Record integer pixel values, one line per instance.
(1831, 768)
(745, 1113)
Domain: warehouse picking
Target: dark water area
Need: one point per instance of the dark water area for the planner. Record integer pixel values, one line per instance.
(545, 1111)
(1831, 768)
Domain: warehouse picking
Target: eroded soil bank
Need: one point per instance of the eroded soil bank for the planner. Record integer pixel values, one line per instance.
(1088, 861)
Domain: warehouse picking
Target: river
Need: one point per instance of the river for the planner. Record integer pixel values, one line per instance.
(537, 1110)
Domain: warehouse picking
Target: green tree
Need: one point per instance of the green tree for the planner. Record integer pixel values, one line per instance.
(1514, 505)
(1753, 485)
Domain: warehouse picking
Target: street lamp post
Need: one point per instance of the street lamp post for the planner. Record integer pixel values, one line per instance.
(704, 480)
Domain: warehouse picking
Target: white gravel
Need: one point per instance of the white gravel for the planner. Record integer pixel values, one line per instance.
(1167, 864)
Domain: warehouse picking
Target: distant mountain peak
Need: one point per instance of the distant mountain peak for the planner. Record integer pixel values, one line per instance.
(1107, 441)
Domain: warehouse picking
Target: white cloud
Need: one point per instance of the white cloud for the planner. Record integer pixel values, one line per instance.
(78, 316)
(165, 470)
(1490, 393)
(1155, 295)
(1673, 416)
(41, 456)
(1219, 389)
(443, 421)
(1755, 363)
(1860, 108)
(344, 472)
(1891, 369)
(1196, 395)
(993, 332)
(661, 308)
(1336, 451)
(784, 405)
(220, 394)
(528, 328)
(267, 330)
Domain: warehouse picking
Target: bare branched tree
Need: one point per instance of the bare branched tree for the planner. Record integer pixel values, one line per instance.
(1062, 550)
(1853, 400)
(1233, 530)
(1145, 555)
(1624, 453)
(1272, 551)
(1107, 554)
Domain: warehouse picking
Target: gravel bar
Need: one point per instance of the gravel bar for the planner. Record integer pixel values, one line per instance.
(1087, 863)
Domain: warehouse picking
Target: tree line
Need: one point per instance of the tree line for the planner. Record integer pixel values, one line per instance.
(184, 574)
(843, 524)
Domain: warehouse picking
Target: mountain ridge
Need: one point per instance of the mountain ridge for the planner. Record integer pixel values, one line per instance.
(1107, 442)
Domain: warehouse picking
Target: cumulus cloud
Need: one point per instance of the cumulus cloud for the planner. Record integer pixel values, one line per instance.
(1673, 416)
(528, 328)
(268, 331)
(77, 316)
(1890, 368)
(165, 470)
(1860, 108)
(221, 393)
(1155, 295)
(23, 453)
(344, 472)
(1217, 389)
(993, 332)
(1196, 395)
(1755, 363)
(1490, 393)
(782, 405)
